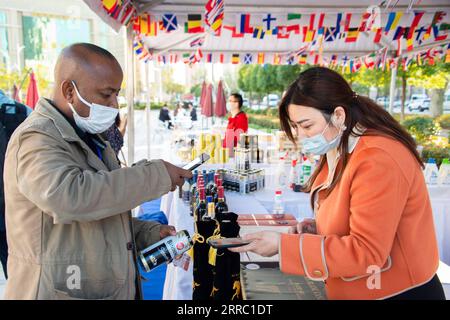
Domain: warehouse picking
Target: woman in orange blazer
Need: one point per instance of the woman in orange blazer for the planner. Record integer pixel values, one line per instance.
(373, 235)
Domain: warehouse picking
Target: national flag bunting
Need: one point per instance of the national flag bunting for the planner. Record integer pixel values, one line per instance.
(194, 24)
(235, 58)
(214, 13)
(243, 24)
(170, 22)
(198, 42)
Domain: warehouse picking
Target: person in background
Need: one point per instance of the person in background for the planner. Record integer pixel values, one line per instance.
(373, 234)
(164, 116)
(12, 114)
(192, 112)
(178, 109)
(237, 122)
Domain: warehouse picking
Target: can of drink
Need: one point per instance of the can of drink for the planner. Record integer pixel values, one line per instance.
(165, 250)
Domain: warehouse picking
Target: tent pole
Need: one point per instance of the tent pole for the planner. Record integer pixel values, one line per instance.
(130, 93)
(148, 107)
(392, 89)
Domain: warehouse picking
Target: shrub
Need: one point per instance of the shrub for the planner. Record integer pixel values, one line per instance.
(444, 121)
(421, 128)
(435, 152)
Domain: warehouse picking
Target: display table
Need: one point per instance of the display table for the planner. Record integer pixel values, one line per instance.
(178, 284)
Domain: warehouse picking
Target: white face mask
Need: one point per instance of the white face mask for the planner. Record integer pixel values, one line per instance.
(318, 144)
(100, 119)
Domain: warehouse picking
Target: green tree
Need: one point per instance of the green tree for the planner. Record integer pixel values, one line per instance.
(435, 78)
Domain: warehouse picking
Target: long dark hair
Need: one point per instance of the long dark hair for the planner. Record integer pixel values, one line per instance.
(324, 89)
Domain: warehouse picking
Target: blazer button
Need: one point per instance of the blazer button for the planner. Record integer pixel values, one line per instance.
(317, 273)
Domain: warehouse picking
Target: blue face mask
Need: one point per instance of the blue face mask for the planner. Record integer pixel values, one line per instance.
(318, 145)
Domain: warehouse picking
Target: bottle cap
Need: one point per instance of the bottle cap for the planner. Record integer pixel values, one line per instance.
(209, 199)
(278, 192)
(445, 161)
(294, 162)
(431, 160)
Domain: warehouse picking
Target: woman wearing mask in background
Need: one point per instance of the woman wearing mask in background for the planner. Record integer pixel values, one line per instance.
(237, 123)
(373, 235)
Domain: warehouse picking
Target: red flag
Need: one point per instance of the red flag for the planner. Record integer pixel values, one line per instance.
(377, 37)
(348, 18)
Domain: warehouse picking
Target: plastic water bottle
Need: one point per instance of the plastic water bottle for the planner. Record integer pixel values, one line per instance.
(431, 172)
(293, 174)
(444, 173)
(165, 250)
(186, 191)
(280, 176)
(278, 206)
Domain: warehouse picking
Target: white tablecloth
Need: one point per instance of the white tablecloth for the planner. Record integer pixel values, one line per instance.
(178, 283)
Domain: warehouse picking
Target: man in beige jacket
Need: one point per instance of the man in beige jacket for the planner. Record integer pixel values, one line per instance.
(68, 201)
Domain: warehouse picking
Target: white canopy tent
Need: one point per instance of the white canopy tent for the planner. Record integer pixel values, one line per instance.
(267, 14)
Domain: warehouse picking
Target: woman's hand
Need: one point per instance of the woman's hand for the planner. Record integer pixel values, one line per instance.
(264, 243)
(306, 226)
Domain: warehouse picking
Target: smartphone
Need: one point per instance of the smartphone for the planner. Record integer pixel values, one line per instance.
(227, 243)
(197, 162)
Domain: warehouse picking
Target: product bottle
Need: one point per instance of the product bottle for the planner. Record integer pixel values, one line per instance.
(431, 172)
(278, 206)
(444, 173)
(280, 175)
(186, 191)
(165, 250)
(306, 170)
(201, 209)
(293, 174)
(221, 206)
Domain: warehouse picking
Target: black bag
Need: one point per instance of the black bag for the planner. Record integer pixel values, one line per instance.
(8, 123)
(227, 269)
(203, 276)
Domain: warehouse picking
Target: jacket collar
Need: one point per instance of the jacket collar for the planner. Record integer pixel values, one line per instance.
(66, 130)
(68, 133)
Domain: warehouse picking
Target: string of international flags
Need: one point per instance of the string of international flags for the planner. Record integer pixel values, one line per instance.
(310, 28)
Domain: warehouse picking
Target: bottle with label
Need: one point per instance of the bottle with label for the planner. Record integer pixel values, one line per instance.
(221, 206)
(306, 170)
(193, 192)
(280, 175)
(431, 172)
(444, 173)
(165, 250)
(211, 212)
(201, 209)
(186, 191)
(278, 206)
(293, 174)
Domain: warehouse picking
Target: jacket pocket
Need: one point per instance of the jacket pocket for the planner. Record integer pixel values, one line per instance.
(91, 290)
